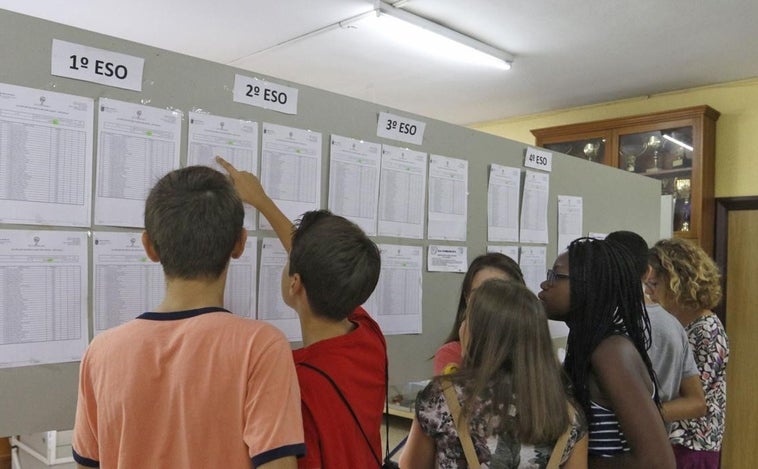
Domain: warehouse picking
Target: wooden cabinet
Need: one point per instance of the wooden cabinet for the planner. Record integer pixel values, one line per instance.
(5, 454)
(676, 147)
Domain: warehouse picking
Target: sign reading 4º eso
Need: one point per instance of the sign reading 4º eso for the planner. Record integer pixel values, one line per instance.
(108, 68)
(538, 159)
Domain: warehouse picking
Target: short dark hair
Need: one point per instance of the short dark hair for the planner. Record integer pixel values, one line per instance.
(490, 260)
(193, 217)
(337, 263)
(636, 245)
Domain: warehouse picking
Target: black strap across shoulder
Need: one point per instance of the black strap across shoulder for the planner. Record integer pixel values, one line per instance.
(347, 404)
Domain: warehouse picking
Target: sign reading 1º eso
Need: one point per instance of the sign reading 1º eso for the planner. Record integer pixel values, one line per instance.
(400, 128)
(262, 93)
(538, 159)
(96, 65)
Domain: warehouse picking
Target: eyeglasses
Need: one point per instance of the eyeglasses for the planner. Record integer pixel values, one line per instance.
(552, 276)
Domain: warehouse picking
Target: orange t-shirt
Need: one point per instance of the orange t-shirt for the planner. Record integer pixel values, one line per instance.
(190, 389)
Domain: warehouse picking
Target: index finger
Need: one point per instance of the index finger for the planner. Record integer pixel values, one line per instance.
(226, 165)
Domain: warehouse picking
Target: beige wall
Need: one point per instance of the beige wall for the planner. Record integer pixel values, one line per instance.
(736, 129)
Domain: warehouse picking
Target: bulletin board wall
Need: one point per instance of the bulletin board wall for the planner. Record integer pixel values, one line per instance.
(43, 397)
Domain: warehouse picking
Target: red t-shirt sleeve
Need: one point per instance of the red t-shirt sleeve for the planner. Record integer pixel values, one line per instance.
(447, 354)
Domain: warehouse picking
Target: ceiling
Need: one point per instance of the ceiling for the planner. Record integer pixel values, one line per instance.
(567, 53)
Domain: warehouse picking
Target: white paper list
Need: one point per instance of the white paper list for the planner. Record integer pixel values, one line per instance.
(396, 301)
(271, 306)
(137, 145)
(402, 192)
(448, 198)
(241, 282)
(534, 208)
(569, 220)
(45, 157)
(43, 297)
(354, 180)
(503, 194)
(533, 266)
(125, 283)
(291, 169)
(235, 140)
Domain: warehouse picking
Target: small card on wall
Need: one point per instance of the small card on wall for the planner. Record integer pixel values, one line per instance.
(447, 258)
(108, 68)
(400, 128)
(538, 159)
(265, 94)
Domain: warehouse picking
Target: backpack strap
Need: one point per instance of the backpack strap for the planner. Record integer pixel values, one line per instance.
(347, 404)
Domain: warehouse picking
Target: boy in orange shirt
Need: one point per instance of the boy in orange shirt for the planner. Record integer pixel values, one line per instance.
(189, 384)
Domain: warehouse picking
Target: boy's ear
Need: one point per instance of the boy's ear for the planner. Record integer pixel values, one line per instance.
(152, 254)
(239, 246)
(296, 284)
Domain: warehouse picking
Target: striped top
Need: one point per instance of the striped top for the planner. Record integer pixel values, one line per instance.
(605, 436)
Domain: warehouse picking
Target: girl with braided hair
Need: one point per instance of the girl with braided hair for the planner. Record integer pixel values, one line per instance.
(594, 289)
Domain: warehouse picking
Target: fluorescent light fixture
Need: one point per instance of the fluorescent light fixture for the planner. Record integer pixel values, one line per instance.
(433, 38)
(678, 142)
(411, 30)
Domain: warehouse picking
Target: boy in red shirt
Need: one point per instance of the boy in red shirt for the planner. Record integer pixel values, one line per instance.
(333, 268)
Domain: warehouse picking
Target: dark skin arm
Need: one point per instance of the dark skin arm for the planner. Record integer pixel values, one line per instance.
(624, 384)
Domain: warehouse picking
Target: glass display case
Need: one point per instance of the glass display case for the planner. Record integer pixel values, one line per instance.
(675, 147)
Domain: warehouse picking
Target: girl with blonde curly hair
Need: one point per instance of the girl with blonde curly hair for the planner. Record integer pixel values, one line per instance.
(687, 283)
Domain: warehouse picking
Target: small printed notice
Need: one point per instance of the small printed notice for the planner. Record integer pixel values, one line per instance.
(265, 94)
(400, 128)
(569, 220)
(108, 68)
(538, 159)
(447, 258)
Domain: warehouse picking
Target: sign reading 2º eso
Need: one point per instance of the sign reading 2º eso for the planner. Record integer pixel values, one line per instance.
(538, 159)
(108, 68)
(262, 93)
(400, 128)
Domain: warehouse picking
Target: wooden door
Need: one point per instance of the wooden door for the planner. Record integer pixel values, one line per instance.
(740, 449)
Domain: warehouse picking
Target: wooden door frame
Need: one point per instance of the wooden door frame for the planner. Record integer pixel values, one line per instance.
(725, 205)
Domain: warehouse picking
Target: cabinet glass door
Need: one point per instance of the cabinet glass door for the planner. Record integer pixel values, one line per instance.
(590, 149)
(665, 155)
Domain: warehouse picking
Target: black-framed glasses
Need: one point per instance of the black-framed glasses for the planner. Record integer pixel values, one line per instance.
(552, 276)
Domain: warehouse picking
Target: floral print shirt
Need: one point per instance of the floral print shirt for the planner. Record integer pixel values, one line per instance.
(495, 451)
(711, 348)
